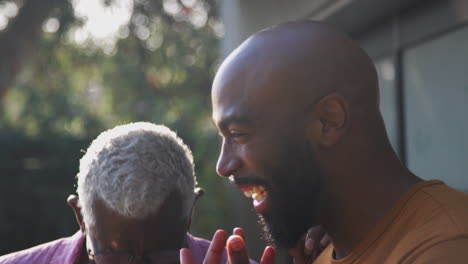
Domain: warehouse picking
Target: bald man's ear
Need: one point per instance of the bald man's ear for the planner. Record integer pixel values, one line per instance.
(74, 203)
(330, 121)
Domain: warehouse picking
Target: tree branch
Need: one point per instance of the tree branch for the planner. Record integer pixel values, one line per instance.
(18, 41)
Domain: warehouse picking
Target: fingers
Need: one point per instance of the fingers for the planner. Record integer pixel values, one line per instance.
(313, 239)
(298, 255)
(186, 256)
(215, 251)
(237, 252)
(268, 256)
(239, 232)
(235, 245)
(310, 246)
(325, 242)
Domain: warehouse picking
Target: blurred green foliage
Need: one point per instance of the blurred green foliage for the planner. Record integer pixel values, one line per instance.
(67, 93)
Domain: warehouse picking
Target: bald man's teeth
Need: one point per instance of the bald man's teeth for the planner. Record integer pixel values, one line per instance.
(248, 193)
(257, 193)
(258, 196)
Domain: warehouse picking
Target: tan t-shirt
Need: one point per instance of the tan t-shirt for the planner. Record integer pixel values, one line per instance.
(429, 224)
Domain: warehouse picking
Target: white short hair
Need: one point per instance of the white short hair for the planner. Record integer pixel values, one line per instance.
(133, 168)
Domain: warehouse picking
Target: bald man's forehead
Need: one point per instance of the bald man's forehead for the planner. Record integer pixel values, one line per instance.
(287, 68)
(274, 63)
(252, 92)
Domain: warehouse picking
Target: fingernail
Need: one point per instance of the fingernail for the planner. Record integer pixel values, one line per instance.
(182, 254)
(236, 244)
(271, 249)
(309, 244)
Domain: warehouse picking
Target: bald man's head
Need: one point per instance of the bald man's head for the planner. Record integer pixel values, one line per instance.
(288, 102)
(305, 61)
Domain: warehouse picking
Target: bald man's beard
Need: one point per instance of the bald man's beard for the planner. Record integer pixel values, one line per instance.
(295, 200)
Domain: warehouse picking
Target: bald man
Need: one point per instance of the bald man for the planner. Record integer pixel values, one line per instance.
(298, 109)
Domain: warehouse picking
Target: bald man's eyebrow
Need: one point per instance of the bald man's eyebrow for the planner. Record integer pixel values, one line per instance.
(233, 119)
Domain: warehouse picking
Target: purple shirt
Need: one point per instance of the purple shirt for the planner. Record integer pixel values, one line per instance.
(67, 251)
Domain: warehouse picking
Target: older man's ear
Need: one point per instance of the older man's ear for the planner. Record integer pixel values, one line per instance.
(199, 192)
(74, 203)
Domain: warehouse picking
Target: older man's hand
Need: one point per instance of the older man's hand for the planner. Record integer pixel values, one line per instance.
(236, 250)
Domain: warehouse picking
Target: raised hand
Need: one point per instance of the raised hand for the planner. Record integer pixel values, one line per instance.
(236, 250)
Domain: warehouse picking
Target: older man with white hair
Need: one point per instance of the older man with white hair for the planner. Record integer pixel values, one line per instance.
(136, 192)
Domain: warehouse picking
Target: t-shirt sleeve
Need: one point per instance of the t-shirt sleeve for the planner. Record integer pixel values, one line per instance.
(451, 251)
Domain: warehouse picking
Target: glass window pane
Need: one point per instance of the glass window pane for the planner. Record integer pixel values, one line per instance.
(436, 99)
(388, 100)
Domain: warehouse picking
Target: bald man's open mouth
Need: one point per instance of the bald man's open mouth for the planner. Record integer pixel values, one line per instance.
(259, 194)
(255, 188)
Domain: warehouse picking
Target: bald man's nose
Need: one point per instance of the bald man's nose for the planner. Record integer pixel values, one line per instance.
(227, 161)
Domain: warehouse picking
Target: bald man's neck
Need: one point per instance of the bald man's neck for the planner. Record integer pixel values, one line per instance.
(363, 188)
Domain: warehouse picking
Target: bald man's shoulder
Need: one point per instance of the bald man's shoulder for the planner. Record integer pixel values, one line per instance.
(429, 224)
(440, 234)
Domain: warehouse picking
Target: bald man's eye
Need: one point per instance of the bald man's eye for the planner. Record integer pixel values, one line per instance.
(238, 136)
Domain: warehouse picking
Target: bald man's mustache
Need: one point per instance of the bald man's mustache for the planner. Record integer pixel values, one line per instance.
(249, 180)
